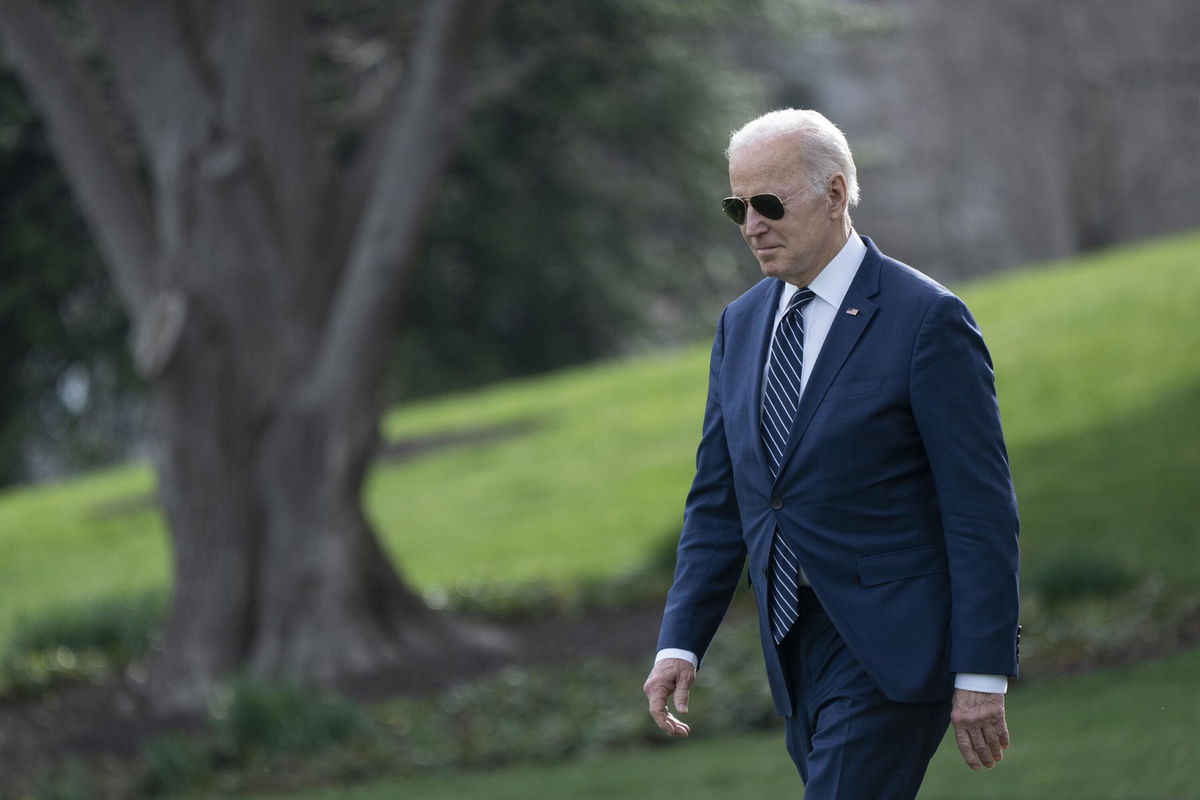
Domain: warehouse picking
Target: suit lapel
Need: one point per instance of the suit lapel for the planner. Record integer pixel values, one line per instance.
(848, 326)
(761, 324)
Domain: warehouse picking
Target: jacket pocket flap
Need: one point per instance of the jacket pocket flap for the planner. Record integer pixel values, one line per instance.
(852, 387)
(900, 564)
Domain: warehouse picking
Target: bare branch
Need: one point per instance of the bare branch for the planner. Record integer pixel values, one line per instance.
(218, 92)
(349, 196)
(259, 53)
(422, 128)
(111, 198)
(157, 53)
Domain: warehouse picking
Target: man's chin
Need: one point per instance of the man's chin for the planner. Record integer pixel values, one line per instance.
(770, 267)
(767, 256)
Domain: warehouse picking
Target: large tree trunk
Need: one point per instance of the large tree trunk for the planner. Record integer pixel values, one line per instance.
(263, 287)
(206, 475)
(275, 566)
(331, 604)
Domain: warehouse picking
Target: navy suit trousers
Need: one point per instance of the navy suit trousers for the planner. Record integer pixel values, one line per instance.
(849, 741)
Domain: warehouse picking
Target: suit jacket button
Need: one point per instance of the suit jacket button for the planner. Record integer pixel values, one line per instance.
(776, 503)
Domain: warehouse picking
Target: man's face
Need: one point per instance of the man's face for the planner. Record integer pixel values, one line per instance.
(798, 246)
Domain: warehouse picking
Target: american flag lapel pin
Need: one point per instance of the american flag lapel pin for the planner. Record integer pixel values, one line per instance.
(852, 312)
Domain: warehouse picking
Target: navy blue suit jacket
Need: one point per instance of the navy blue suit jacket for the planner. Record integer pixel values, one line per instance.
(895, 491)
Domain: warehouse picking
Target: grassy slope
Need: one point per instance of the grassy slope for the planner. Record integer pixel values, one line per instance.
(1100, 390)
(1066, 745)
(1098, 366)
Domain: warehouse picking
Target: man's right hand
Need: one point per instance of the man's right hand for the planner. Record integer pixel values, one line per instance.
(674, 677)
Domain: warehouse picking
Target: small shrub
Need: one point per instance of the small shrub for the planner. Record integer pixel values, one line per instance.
(540, 598)
(80, 641)
(175, 763)
(71, 781)
(119, 626)
(505, 601)
(1068, 576)
(263, 716)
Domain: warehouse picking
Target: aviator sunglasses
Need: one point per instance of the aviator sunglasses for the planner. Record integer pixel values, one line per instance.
(769, 205)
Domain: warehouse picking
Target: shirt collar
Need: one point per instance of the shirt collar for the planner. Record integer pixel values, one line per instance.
(832, 283)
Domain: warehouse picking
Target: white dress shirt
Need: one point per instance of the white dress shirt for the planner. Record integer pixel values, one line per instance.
(830, 287)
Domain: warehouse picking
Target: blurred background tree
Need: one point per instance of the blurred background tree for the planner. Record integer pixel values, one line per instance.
(579, 191)
(261, 282)
(257, 179)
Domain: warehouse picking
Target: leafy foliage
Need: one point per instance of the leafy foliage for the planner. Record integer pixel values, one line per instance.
(262, 715)
(57, 311)
(1059, 577)
(256, 722)
(175, 762)
(119, 626)
(519, 715)
(73, 781)
(79, 641)
(583, 194)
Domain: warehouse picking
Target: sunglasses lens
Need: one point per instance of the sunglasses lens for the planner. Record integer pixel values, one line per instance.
(735, 209)
(768, 205)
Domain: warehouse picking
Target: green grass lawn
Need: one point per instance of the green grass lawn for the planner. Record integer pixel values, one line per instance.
(1112, 735)
(1100, 391)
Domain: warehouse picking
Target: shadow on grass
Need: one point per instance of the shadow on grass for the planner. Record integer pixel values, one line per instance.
(1125, 491)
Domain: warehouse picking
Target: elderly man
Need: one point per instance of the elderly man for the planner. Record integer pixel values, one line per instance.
(851, 453)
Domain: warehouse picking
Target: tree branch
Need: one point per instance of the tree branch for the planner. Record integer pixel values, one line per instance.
(112, 200)
(349, 196)
(259, 51)
(157, 54)
(423, 127)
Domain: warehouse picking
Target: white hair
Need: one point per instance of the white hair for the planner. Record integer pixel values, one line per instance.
(823, 146)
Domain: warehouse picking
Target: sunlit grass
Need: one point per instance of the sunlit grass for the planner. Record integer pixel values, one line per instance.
(78, 540)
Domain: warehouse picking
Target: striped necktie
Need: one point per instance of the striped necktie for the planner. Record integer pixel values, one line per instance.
(781, 398)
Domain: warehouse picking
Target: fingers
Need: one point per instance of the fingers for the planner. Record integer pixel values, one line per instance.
(979, 750)
(683, 688)
(979, 728)
(657, 695)
(991, 740)
(667, 721)
(669, 676)
(963, 740)
(1002, 733)
(979, 744)
(678, 727)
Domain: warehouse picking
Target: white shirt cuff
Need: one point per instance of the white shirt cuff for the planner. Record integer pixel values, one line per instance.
(675, 652)
(974, 682)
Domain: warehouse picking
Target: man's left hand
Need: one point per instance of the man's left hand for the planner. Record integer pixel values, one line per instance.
(979, 727)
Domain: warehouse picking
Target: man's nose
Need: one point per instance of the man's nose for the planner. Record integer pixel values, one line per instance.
(755, 223)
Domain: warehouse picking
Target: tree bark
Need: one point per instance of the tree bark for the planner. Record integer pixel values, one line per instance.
(266, 392)
(113, 203)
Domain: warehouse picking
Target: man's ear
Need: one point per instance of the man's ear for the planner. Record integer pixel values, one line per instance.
(838, 196)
